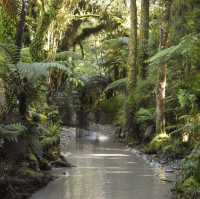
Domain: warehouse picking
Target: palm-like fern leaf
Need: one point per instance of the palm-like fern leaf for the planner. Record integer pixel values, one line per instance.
(9, 51)
(184, 49)
(35, 71)
(12, 131)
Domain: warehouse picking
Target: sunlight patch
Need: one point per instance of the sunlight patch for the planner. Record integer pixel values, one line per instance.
(102, 138)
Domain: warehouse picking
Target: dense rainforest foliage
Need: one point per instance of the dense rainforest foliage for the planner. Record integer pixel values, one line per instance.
(134, 64)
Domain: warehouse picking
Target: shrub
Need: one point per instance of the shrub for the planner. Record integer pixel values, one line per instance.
(158, 143)
(176, 149)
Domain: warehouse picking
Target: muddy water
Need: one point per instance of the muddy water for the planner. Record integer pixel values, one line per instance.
(105, 170)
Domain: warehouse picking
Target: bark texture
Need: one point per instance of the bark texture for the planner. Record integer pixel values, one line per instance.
(143, 39)
(162, 72)
(20, 29)
(132, 70)
(132, 60)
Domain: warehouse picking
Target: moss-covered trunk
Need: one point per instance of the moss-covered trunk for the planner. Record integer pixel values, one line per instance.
(132, 60)
(143, 39)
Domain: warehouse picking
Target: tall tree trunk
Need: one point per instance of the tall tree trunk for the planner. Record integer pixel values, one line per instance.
(22, 97)
(132, 69)
(20, 29)
(132, 60)
(143, 39)
(162, 72)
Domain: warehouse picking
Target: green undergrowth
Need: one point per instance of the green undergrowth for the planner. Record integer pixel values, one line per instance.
(168, 147)
(157, 144)
(112, 107)
(188, 185)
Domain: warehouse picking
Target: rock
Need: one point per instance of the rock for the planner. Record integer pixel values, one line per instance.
(63, 158)
(62, 162)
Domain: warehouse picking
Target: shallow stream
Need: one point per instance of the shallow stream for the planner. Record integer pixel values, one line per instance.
(105, 170)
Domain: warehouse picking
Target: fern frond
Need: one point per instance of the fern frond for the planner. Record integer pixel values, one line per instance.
(51, 136)
(11, 132)
(118, 84)
(183, 49)
(144, 115)
(35, 71)
(49, 141)
(9, 51)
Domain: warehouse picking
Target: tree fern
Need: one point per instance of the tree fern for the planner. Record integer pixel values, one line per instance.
(36, 70)
(184, 49)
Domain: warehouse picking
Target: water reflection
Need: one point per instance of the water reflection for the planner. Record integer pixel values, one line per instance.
(108, 155)
(105, 171)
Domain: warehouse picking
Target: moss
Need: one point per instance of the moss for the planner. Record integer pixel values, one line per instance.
(158, 143)
(32, 161)
(32, 157)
